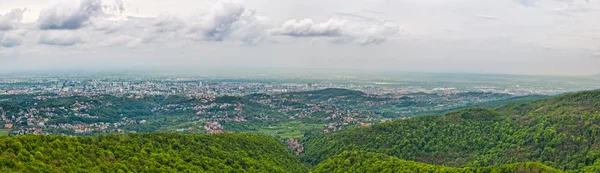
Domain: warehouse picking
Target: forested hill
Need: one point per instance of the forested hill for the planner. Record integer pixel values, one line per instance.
(561, 132)
(155, 152)
(580, 103)
(375, 162)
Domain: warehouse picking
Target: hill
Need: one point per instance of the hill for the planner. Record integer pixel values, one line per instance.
(375, 162)
(155, 152)
(561, 132)
(513, 100)
(580, 103)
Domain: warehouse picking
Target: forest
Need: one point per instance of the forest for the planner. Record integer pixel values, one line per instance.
(375, 162)
(153, 152)
(558, 134)
(561, 132)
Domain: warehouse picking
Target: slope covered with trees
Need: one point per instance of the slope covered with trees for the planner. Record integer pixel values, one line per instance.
(580, 103)
(561, 132)
(155, 152)
(375, 162)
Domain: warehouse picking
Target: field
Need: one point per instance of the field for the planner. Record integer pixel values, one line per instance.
(291, 129)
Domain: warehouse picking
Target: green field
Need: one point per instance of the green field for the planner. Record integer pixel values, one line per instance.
(3, 133)
(290, 129)
(285, 130)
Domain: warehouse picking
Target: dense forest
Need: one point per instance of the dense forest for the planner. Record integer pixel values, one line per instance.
(375, 162)
(548, 135)
(561, 132)
(155, 152)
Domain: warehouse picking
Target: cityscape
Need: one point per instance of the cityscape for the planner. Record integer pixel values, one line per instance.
(288, 107)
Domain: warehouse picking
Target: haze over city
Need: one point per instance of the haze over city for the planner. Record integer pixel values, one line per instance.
(540, 37)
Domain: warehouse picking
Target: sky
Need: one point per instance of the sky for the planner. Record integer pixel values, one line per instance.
(537, 37)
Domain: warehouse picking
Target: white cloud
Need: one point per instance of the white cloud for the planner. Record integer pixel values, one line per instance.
(487, 17)
(59, 38)
(211, 31)
(69, 16)
(11, 20)
(121, 40)
(222, 21)
(362, 32)
(105, 24)
(225, 20)
(527, 3)
(307, 28)
(538, 3)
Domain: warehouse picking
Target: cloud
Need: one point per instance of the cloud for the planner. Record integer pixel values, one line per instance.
(129, 41)
(596, 55)
(535, 3)
(372, 33)
(372, 11)
(69, 16)
(59, 38)
(118, 6)
(307, 28)
(358, 16)
(162, 27)
(11, 20)
(9, 40)
(365, 32)
(572, 9)
(222, 21)
(487, 17)
(226, 19)
(527, 3)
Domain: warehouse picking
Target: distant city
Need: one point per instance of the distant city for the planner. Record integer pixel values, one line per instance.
(92, 104)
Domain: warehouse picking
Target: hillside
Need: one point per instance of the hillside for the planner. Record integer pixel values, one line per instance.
(155, 152)
(560, 132)
(521, 99)
(580, 103)
(375, 162)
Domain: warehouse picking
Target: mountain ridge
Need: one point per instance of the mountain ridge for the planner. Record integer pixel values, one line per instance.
(563, 135)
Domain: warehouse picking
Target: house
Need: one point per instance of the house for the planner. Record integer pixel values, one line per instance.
(8, 126)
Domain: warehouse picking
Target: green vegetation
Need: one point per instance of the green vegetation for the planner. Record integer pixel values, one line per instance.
(561, 132)
(532, 134)
(522, 99)
(580, 103)
(285, 130)
(374, 162)
(155, 152)
(287, 114)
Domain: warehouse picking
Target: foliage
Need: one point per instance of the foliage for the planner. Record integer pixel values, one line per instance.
(155, 152)
(521, 99)
(375, 162)
(561, 132)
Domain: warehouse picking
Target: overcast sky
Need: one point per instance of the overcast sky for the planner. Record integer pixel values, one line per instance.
(547, 37)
